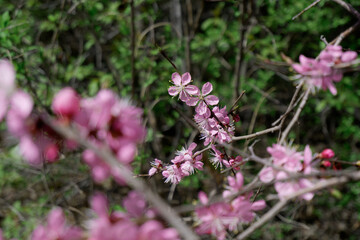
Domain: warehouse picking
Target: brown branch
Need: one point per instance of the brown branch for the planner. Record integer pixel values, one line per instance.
(306, 9)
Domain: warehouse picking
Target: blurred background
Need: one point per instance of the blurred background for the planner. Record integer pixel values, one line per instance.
(133, 47)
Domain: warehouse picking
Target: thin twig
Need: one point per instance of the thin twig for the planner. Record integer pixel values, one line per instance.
(257, 134)
(306, 9)
(296, 116)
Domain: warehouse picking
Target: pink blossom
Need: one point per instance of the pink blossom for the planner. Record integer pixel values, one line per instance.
(173, 174)
(286, 157)
(290, 160)
(184, 164)
(320, 73)
(66, 103)
(233, 163)
(204, 99)
(235, 184)
(218, 157)
(153, 230)
(212, 129)
(267, 174)
(217, 218)
(126, 226)
(157, 166)
(56, 228)
(181, 87)
(135, 204)
(285, 189)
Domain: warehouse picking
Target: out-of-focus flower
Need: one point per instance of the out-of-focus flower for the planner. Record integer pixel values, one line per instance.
(56, 228)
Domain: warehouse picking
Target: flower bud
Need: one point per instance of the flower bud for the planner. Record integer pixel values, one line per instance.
(66, 103)
(51, 153)
(326, 163)
(327, 153)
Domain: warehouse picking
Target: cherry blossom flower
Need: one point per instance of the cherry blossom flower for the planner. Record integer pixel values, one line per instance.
(321, 72)
(204, 100)
(126, 225)
(181, 87)
(217, 218)
(56, 228)
(66, 103)
(291, 161)
(218, 157)
(157, 166)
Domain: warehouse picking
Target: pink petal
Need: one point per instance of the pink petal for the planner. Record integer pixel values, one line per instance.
(7, 76)
(192, 101)
(22, 103)
(267, 175)
(203, 198)
(29, 150)
(175, 77)
(305, 61)
(192, 90)
(258, 205)
(348, 56)
(206, 88)
(99, 204)
(201, 108)
(184, 96)
(56, 219)
(337, 77)
(307, 155)
(173, 91)
(192, 147)
(299, 68)
(186, 78)
(212, 100)
(332, 88)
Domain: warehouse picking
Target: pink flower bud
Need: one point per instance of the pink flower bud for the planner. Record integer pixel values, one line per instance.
(326, 163)
(51, 153)
(236, 118)
(66, 103)
(327, 153)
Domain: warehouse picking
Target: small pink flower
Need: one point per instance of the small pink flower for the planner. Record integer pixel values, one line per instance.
(181, 87)
(320, 73)
(66, 103)
(204, 100)
(56, 228)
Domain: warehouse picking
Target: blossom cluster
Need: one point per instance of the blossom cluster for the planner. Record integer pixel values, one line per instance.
(217, 218)
(214, 123)
(184, 164)
(288, 161)
(137, 223)
(322, 72)
(37, 142)
(105, 120)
